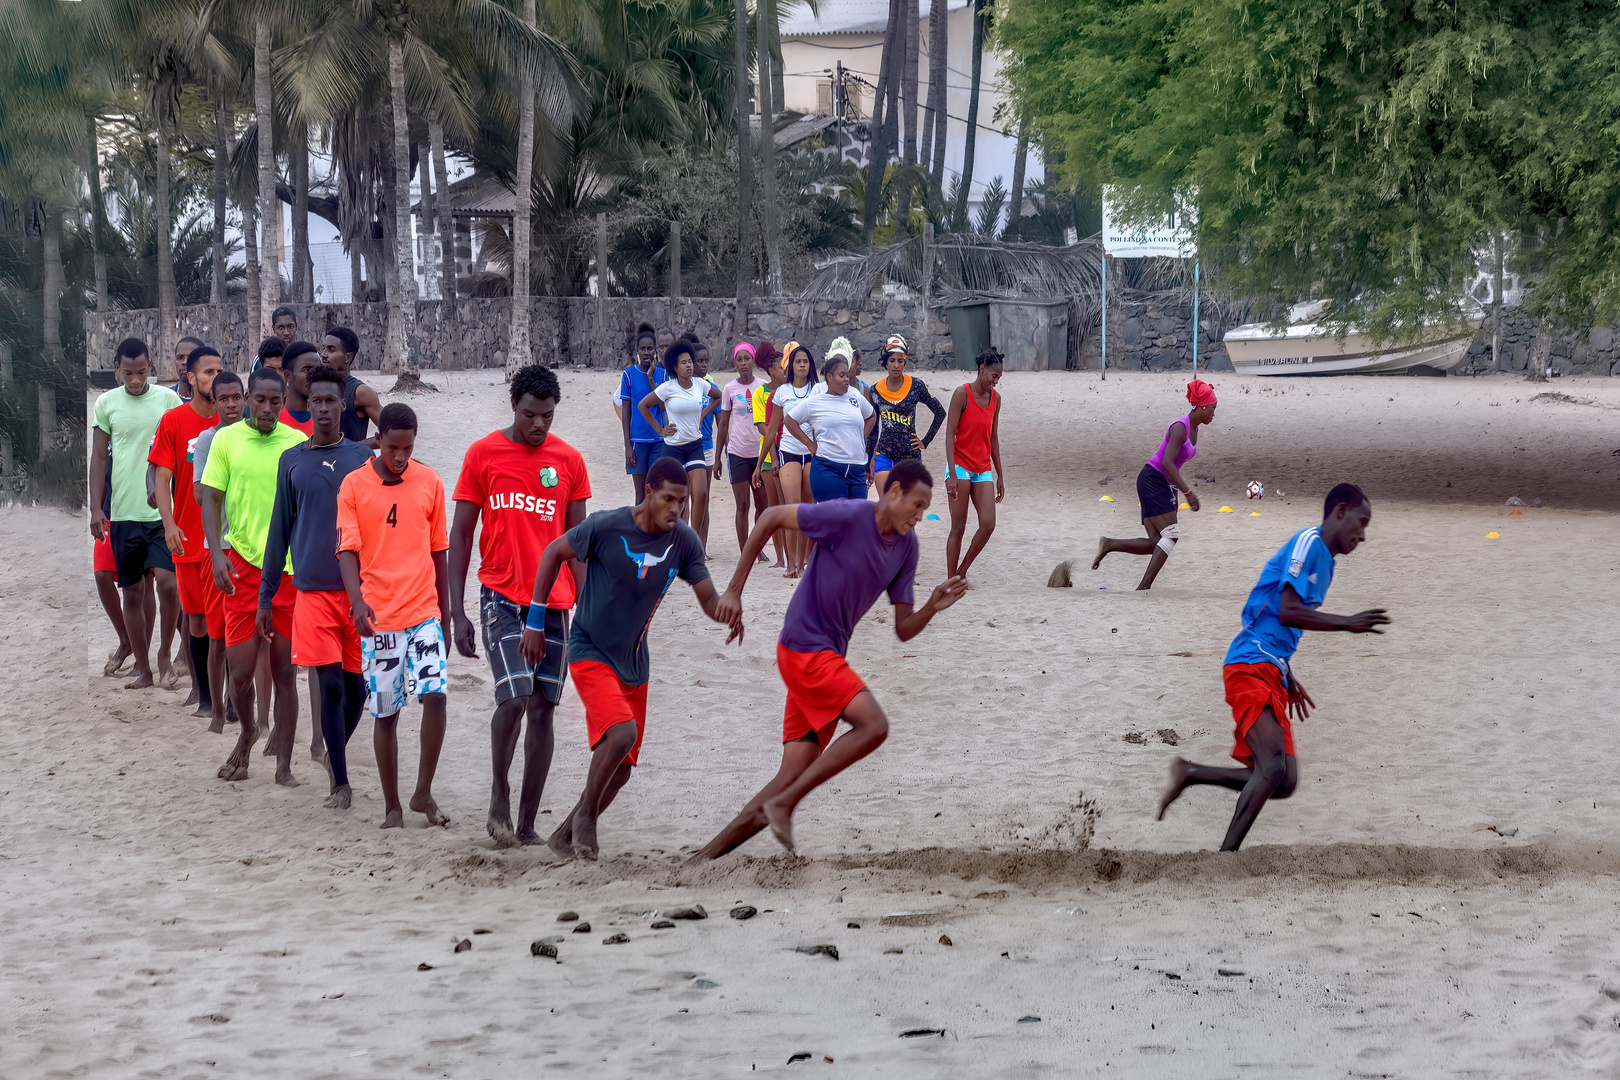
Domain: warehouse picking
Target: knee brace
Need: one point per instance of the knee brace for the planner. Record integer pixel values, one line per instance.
(1168, 537)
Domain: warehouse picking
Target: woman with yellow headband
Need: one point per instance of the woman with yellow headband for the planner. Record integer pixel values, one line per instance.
(793, 461)
(897, 397)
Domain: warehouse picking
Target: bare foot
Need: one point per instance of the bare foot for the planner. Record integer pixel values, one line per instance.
(1172, 792)
(778, 565)
(339, 799)
(167, 679)
(561, 842)
(422, 802)
(218, 726)
(395, 819)
(584, 829)
(1102, 549)
(116, 660)
(142, 680)
(236, 766)
(499, 828)
(284, 776)
(203, 710)
(781, 823)
(529, 838)
(192, 698)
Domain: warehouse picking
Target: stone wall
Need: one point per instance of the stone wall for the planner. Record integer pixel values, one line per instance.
(1594, 352)
(566, 331)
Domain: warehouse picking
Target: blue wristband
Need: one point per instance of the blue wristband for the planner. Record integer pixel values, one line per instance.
(536, 612)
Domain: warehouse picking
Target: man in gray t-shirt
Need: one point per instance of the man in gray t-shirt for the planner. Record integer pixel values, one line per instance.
(632, 555)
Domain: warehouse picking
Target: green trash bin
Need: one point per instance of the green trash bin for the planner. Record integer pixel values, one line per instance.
(970, 332)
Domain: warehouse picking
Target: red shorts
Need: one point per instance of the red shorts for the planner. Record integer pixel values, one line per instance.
(819, 686)
(242, 606)
(102, 558)
(323, 631)
(1249, 689)
(608, 701)
(193, 579)
(213, 602)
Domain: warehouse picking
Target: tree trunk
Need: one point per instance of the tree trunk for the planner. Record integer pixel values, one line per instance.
(250, 252)
(357, 278)
(163, 358)
(973, 109)
(303, 287)
(98, 219)
(745, 156)
(908, 89)
(768, 105)
(1015, 213)
(938, 42)
(878, 156)
(443, 222)
(222, 157)
(404, 293)
(778, 90)
(424, 229)
(517, 354)
(268, 290)
(52, 286)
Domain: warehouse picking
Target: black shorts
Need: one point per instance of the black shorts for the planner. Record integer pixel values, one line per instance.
(797, 459)
(503, 632)
(741, 469)
(1154, 492)
(690, 455)
(138, 546)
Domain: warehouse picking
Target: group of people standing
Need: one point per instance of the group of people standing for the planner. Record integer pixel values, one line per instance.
(277, 533)
(793, 432)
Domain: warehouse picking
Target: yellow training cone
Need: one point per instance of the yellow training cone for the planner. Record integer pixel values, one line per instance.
(1255, 514)
(1106, 498)
(1493, 536)
(1184, 506)
(1226, 510)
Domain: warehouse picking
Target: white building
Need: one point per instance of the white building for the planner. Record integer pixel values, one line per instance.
(850, 33)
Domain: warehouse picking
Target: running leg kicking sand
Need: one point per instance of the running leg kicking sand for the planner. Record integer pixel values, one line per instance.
(862, 549)
(1260, 685)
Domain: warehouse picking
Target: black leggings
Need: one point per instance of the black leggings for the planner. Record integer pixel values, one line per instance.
(343, 695)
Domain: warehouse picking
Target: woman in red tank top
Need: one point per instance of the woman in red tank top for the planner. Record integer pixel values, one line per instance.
(973, 455)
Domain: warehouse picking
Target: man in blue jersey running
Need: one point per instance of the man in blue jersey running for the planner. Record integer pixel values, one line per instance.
(1260, 685)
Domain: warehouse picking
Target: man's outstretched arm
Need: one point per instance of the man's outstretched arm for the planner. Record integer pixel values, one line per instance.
(1291, 611)
(909, 622)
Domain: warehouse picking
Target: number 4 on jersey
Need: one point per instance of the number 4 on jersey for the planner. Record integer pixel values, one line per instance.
(393, 515)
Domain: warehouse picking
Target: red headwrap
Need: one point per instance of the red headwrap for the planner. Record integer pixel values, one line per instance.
(1200, 393)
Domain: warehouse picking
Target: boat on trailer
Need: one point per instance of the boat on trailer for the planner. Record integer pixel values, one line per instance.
(1308, 347)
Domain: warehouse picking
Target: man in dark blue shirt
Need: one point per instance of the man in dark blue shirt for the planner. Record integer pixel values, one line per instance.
(304, 521)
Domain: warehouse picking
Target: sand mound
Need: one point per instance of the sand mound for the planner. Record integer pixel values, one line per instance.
(409, 382)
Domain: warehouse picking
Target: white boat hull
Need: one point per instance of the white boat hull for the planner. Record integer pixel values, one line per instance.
(1256, 349)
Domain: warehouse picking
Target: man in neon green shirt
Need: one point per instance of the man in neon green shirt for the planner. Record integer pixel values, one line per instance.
(126, 417)
(240, 477)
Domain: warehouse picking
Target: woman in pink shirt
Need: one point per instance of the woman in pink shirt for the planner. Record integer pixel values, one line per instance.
(736, 433)
(1158, 482)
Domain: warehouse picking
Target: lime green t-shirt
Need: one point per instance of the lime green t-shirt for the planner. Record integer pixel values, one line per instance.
(242, 463)
(130, 423)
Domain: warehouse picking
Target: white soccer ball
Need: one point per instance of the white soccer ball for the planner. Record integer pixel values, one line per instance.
(1256, 490)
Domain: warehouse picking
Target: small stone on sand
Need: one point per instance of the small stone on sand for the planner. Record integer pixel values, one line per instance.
(583, 928)
(568, 916)
(694, 912)
(852, 926)
(464, 945)
(916, 1033)
(744, 911)
(1230, 973)
(663, 924)
(1168, 736)
(1029, 1020)
(542, 948)
(424, 967)
(477, 932)
(616, 939)
(818, 950)
(945, 939)
(704, 984)
(897, 952)
(1136, 737)
(802, 1055)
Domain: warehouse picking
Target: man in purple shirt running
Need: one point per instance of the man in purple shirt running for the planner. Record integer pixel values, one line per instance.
(863, 549)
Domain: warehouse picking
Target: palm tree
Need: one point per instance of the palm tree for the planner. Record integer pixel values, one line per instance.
(939, 122)
(966, 188)
(908, 89)
(269, 291)
(1015, 215)
(517, 354)
(881, 123)
(765, 33)
(745, 154)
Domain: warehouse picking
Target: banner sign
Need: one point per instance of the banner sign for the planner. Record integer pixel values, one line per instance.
(1170, 237)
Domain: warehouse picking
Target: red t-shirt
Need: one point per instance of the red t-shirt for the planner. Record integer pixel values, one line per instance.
(306, 426)
(172, 447)
(523, 493)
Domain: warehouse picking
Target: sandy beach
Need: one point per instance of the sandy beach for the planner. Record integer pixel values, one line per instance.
(1439, 898)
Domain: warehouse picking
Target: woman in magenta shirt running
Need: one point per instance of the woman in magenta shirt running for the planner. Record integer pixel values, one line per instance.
(1158, 482)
